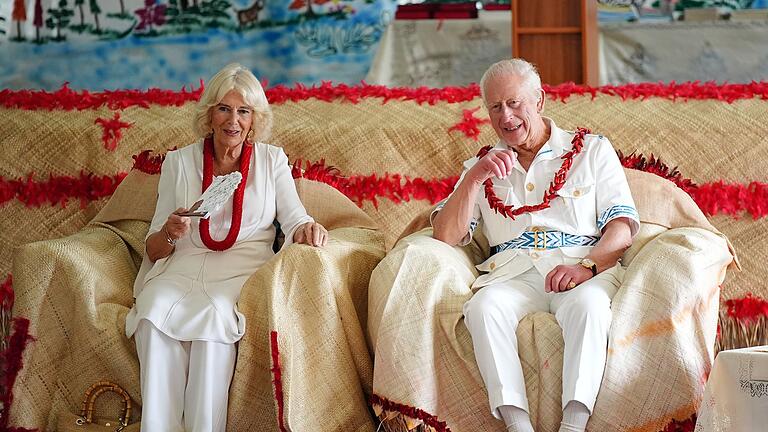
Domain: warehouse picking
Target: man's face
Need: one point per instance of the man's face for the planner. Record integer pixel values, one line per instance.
(514, 109)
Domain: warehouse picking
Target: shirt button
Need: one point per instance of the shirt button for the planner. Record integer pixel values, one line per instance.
(530, 187)
(493, 265)
(577, 193)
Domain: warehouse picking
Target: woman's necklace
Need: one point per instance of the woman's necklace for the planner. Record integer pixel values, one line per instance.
(558, 181)
(237, 203)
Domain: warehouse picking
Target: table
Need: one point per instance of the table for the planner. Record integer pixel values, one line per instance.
(736, 395)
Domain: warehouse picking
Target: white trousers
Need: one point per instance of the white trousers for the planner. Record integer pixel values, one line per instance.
(184, 385)
(584, 314)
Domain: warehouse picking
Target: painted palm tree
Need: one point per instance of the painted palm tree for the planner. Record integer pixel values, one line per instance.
(58, 18)
(95, 10)
(79, 4)
(19, 14)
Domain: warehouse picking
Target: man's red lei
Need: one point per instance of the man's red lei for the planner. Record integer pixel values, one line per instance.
(557, 182)
(237, 204)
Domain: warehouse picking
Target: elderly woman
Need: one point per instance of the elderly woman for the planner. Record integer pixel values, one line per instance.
(185, 318)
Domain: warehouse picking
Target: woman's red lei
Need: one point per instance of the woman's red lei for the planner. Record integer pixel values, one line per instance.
(237, 204)
(557, 182)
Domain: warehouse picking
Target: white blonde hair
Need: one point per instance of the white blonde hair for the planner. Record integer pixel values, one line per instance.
(515, 67)
(236, 77)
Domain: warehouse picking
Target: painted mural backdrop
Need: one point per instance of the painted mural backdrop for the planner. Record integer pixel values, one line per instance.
(110, 44)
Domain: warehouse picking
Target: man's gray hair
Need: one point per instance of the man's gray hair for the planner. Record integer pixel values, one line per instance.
(517, 67)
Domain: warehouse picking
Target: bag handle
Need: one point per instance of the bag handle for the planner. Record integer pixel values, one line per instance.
(86, 412)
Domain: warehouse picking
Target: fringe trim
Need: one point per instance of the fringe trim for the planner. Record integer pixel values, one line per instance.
(277, 380)
(469, 124)
(68, 99)
(112, 130)
(743, 324)
(713, 198)
(10, 364)
(396, 417)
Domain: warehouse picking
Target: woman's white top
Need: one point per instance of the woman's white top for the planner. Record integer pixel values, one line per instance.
(192, 294)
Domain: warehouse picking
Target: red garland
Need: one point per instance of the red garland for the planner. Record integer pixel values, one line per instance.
(469, 124)
(112, 130)
(654, 165)
(59, 189)
(557, 182)
(67, 99)
(10, 365)
(414, 413)
(237, 203)
(278, 380)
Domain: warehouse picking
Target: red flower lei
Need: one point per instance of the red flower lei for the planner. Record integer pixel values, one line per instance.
(557, 182)
(237, 205)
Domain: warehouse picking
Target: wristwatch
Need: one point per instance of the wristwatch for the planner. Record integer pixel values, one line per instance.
(588, 263)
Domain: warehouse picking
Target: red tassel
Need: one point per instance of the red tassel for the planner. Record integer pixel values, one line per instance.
(277, 380)
(469, 124)
(11, 364)
(112, 130)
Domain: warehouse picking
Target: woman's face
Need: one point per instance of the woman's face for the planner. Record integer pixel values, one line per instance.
(231, 120)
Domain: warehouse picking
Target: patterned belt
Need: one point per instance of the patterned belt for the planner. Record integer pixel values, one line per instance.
(540, 239)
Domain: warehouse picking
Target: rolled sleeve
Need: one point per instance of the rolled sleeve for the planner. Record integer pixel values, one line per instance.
(290, 211)
(473, 222)
(614, 199)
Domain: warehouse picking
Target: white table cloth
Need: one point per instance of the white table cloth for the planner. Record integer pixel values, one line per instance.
(736, 395)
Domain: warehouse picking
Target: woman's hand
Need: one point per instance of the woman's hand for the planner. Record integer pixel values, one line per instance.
(496, 163)
(176, 226)
(311, 233)
(565, 277)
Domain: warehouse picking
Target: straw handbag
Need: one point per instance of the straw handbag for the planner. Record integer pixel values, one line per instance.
(85, 422)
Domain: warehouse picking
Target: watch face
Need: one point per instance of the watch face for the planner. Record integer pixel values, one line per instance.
(586, 262)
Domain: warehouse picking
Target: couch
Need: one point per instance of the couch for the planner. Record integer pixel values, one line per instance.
(393, 152)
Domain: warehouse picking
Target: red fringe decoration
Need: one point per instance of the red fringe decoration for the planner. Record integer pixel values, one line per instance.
(67, 99)
(414, 413)
(732, 199)
(713, 198)
(11, 364)
(277, 380)
(112, 130)
(59, 189)
(747, 309)
(7, 296)
(359, 189)
(147, 163)
(469, 124)
(656, 166)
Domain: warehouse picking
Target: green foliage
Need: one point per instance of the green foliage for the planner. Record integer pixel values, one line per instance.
(59, 18)
(94, 6)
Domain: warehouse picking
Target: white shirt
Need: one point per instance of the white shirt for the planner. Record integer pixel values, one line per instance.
(192, 293)
(595, 192)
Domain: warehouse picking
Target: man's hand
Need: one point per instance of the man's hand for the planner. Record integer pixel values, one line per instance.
(311, 233)
(497, 163)
(565, 277)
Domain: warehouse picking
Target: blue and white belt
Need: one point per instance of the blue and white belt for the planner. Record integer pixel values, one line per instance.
(540, 239)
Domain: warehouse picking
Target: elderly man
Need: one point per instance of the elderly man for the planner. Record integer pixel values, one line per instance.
(558, 214)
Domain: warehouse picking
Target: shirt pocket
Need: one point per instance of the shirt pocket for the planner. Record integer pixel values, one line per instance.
(579, 201)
